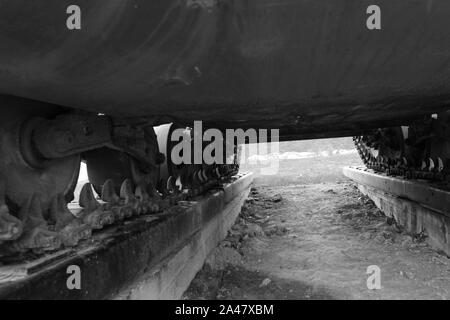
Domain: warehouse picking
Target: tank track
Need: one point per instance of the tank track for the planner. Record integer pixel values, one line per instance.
(428, 168)
(38, 231)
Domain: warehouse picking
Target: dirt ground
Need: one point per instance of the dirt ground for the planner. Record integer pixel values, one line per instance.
(315, 241)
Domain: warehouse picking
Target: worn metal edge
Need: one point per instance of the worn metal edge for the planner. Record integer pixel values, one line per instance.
(119, 255)
(415, 190)
(173, 275)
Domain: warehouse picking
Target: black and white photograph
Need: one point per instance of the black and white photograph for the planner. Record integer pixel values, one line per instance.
(232, 158)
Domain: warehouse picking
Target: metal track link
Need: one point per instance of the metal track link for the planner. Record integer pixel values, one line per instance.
(430, 169)
(39, 230)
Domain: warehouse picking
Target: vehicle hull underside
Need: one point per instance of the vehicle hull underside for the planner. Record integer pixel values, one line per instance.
(305, 66)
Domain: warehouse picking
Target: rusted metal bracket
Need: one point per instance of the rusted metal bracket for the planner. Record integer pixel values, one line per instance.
(70, 134)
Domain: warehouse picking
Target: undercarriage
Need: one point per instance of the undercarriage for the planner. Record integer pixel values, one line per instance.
(419, 150)
(129, 169)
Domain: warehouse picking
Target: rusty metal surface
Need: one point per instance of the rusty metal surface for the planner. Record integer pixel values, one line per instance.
(422, 192)
(272, 63)
(40, 165)
(120, 254)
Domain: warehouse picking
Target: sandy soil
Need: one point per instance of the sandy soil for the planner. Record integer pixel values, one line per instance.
(315, 242)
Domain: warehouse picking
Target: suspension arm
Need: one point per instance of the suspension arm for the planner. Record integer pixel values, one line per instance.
(71, 134)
